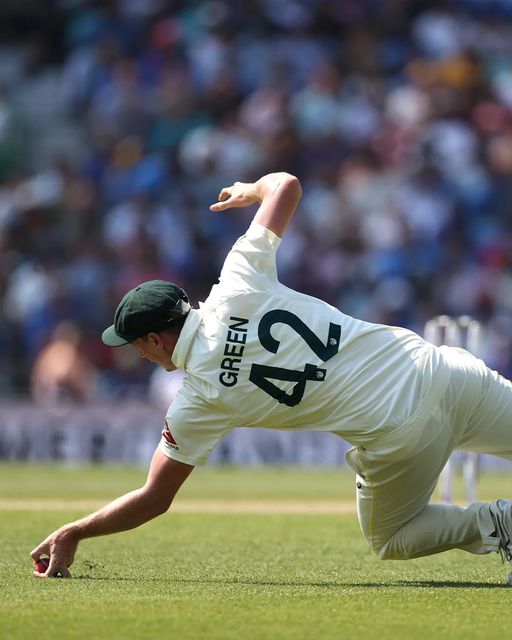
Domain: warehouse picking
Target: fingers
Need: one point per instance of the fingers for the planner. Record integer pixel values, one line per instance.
(57, 572)
(55, 554)
(48, 567)
(53, 571)
(36, 553)
(224, 197)
(225, 194)
(41, 566)
(221, 206)
(240, 194)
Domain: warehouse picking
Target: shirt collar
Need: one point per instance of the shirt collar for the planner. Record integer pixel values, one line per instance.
(187, 333)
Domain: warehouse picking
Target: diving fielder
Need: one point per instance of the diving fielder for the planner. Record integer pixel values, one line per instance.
(258, 354)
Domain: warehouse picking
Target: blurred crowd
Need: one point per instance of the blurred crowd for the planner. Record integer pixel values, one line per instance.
(121, 120)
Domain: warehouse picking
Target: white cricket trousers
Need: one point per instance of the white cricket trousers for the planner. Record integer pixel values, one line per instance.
(474, 413)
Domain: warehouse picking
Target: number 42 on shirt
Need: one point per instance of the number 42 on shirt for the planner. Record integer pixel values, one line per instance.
(260, 375)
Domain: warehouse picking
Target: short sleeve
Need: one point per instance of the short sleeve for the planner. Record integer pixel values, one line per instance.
(192, 430)
(252, 260)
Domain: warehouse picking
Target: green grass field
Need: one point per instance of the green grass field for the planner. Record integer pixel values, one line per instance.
(226, 575)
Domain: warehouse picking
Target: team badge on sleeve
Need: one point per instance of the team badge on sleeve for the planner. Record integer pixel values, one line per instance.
(168, 437)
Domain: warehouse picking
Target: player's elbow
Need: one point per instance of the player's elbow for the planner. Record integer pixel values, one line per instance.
(163, 506)
(157, 502)
(293, 185)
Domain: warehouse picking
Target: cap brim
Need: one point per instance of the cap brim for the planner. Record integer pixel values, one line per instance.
(110, 337)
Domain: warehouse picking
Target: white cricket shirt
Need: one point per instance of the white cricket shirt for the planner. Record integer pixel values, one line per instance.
(258, 354)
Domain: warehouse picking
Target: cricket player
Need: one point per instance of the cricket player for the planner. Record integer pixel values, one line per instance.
(258, 354)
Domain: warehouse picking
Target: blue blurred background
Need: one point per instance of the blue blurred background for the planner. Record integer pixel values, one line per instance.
(120, 121)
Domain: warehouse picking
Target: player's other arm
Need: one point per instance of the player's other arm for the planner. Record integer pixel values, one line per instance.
(164, 479)
(277, 193)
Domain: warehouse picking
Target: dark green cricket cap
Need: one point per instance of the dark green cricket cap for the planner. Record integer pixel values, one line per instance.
(152, 306)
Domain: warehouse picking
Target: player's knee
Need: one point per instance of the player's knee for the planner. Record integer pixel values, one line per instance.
(385, 553)
(390, 550)
(376, 550)
(386, 549)
(376, 546)
(381, 551)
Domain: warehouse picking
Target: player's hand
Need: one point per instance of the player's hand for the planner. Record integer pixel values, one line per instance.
(60, 546)
(240, 194)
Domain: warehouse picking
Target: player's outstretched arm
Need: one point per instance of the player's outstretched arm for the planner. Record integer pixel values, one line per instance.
(164, 479)
(277, 193)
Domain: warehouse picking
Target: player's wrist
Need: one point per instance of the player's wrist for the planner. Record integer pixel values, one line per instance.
(254, 191)
(73, 531)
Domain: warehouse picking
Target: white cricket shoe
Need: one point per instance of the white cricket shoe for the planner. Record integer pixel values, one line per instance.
(501, 514)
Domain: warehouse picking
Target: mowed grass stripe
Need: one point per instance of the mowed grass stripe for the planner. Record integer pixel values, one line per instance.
(262, 507)
(298, 507)
(100, 483)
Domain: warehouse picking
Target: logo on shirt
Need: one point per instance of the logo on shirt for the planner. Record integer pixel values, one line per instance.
(168, 437)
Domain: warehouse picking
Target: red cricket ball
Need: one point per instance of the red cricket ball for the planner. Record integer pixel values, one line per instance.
(42, 565)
